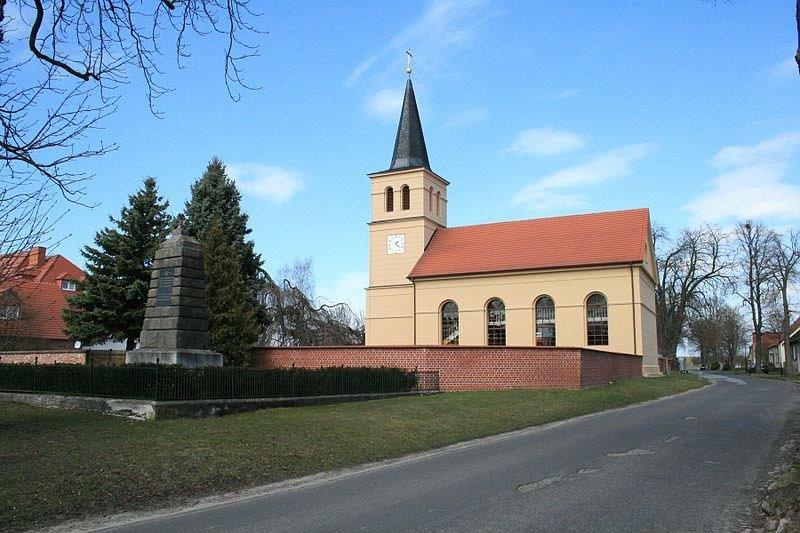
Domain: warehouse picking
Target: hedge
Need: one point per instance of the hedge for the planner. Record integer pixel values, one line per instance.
(160, 382)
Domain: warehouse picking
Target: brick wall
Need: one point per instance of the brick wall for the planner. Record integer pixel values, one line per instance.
(70, 357)
(599, 368)
(469, 367)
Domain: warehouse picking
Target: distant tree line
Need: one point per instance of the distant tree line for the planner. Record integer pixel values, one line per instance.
(245, 305)
(716, 288)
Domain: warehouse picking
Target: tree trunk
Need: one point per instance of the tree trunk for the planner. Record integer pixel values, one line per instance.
(130, 342)
(790, 367)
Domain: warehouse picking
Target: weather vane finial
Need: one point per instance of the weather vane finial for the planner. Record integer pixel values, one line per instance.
(408, 62)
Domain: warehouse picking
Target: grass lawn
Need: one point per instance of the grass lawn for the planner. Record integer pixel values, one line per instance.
(59, 465)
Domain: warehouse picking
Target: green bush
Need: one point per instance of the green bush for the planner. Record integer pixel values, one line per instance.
(714, 366)
(178, 383)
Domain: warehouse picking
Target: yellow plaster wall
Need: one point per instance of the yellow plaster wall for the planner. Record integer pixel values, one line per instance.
(569, 290)
(392, 269)
(649, 331)
(390, 316)
(419, 181)
(389, 319)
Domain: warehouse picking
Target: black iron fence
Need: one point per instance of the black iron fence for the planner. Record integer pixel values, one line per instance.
(159, 382)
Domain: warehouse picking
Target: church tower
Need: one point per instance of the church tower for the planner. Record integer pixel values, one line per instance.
(409, 202)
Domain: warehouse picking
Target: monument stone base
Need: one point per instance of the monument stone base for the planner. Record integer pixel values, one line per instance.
(182, 357)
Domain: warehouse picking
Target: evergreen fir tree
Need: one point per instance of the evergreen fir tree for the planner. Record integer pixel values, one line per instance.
(110, 302)
(233, 323)
(216, 197)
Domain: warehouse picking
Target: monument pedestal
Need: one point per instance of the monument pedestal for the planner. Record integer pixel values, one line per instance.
(175, 329)
(185, 358)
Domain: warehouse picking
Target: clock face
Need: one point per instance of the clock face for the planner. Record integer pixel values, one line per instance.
(396, 244)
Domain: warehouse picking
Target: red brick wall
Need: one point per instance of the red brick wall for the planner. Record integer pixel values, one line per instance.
(599, 368)
(70, 357)
(469, 367)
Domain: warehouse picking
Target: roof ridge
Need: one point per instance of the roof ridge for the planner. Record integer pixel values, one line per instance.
(556, 217)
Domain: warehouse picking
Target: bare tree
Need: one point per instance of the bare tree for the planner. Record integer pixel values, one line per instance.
(296, 318)
(785, 260)
(733, 335)
(300, 274)
(756, 248)
(61, 63)
(694, 264)
(703, 329)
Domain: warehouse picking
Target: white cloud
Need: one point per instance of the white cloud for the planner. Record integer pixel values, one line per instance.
(386, 103)
(752, 183)
(546, 141)
(444, 26)
(466, 117)
(267, 182)
(553, 192)
(777, 148)
(349, 289)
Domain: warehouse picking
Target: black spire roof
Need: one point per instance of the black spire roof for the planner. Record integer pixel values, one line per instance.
(409, 146)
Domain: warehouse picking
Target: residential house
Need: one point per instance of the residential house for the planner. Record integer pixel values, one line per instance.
(773, 345)
(33, 293)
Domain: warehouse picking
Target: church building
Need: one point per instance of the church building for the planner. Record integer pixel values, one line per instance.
(581, 281)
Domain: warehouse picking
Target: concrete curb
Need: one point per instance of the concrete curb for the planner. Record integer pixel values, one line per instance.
(123, 519)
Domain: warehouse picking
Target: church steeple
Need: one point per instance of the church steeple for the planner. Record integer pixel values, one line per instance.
(409, 146)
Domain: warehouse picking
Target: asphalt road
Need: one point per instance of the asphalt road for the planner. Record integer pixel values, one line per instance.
(689, 463)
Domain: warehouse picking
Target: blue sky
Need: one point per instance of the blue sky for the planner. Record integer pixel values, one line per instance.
(529, 109)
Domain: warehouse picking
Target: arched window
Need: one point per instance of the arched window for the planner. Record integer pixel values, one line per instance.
(389, 199)
(545, 321)
(438, 200)
(496, 323)
(450, 323)
(597, 320)
(430, 199)
(406, 197)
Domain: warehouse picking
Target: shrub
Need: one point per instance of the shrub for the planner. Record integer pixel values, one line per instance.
(178, 383)
(714, 366)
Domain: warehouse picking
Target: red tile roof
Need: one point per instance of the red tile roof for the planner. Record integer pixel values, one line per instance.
(615, 237)
(36, 288)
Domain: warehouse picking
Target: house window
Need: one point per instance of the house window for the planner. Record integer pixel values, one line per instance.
(545, 321)
(389, 199)
(430, 199)
(450, 323)
(406, 197)
(496, 323)
(438, 200)
(597, 320)
(9, 312)
(68, 285)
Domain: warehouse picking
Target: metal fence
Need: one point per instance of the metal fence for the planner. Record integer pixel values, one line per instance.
(159, 382)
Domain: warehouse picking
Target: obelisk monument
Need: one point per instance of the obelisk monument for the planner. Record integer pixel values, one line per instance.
(175, 330)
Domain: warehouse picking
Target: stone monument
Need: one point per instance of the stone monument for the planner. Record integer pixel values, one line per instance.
(175, 330)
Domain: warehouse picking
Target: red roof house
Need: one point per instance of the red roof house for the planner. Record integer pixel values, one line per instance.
(33, 293)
